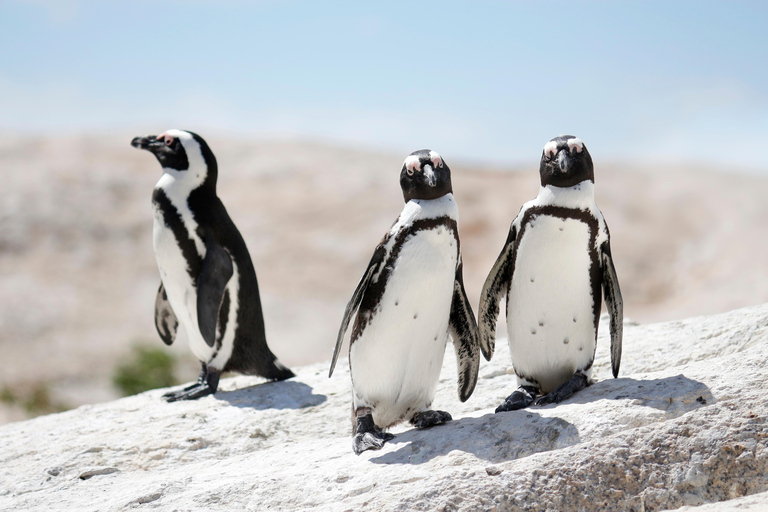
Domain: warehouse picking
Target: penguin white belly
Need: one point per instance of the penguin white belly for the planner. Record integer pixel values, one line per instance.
(550, 320)
(182, 294)
(397, 359)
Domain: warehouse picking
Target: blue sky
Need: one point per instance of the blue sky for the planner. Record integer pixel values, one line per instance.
(488, 81)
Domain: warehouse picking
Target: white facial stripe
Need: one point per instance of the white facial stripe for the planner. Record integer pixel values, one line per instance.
(412, 163)
(550, 148)
(191, 147)
(177, 134)
(575, 143)
(437, 160)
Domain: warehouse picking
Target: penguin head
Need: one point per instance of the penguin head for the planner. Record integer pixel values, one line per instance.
(182, 153)
(425, 176)
(565, 162)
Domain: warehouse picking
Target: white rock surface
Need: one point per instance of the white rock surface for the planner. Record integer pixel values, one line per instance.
(684, 425)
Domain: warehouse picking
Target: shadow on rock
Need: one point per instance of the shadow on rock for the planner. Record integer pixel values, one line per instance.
(675, 395)
(517, 434)
(287, 394)
(493, 437)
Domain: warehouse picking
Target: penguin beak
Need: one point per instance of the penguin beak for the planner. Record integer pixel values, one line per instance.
(564, 162)
(429, 174)
(150, 143)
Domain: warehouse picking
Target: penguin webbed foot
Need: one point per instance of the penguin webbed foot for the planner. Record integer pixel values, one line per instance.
(368, 436)
(565, 390)
(370, 441)
(430, 418)
(197, 391)
(207, 384)
(521, 398)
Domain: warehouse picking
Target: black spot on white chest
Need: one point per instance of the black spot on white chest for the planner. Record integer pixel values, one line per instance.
(551, 297)
(553, 257)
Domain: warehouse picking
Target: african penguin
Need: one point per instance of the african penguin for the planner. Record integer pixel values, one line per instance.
(408, 302)
(555, 262)
(208, 285)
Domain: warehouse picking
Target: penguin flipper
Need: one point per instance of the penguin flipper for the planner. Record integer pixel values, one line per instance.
(496, 285)
(215, 273)
(354, 302)
(166, 322)
(615, 305)
(466, 337)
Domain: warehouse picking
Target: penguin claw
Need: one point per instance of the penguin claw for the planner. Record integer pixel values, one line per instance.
(188, 388)
(194, 392)
(368, 436)
(207, 384)
(426, 419)
(370, 441)
(519, 399)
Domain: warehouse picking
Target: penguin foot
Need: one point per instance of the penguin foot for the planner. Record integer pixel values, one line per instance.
(368, 436)
(519, 399)
(426, 419)
(197, 391)
(370, 441)
(577, 383)
(207, 384)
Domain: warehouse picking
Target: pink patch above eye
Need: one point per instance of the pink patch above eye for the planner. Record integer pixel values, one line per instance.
(550, 149)
(575, 145)
(168, 139)
(437, 160)
(412, 164)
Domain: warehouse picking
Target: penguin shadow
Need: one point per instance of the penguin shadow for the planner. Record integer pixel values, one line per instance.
(492, 437)
(286, 394)
(675, 395)
(517, 434)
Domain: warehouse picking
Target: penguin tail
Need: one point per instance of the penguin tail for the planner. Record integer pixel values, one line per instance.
(278, 371)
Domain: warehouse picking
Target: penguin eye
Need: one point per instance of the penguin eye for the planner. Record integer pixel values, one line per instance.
(550, 149)
(411, 164)
(168, 140)
(575, 146)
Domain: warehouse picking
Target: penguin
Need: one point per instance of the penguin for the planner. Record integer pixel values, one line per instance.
(410, 300)
(554, 264)
(208, 285)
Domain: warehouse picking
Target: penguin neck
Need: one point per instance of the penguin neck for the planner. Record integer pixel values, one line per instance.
(581, 195)
(178, 185)
(443, 206)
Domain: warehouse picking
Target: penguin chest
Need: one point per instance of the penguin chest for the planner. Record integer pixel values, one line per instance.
(550, 313)
(396, 360)
(175, 265)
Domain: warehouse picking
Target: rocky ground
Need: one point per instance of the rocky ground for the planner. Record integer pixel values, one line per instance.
(685, 424)
(78, 276)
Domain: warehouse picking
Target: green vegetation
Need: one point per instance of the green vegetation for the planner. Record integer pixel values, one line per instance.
(147, 368)
(35, 400)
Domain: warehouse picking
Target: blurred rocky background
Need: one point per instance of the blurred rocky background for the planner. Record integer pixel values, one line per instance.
(78, 275)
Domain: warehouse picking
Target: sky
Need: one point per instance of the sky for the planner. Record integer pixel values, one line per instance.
(486, 81)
